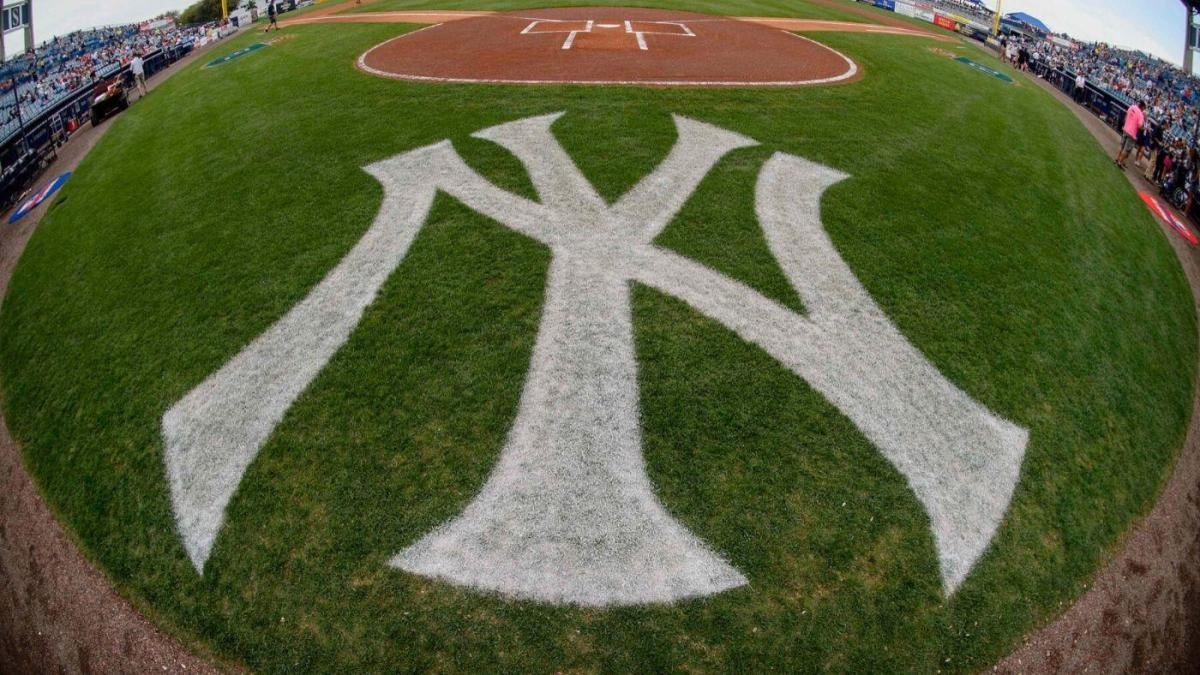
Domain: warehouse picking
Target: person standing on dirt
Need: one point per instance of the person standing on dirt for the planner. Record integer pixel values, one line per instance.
(1161, 155)
(272, 16)
(1135, 119)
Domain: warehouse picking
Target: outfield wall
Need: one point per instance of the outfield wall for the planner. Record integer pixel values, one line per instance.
(938, 14)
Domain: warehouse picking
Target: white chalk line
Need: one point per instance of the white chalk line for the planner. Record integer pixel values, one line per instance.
(534, 18)
(852, 67)
(589, 24)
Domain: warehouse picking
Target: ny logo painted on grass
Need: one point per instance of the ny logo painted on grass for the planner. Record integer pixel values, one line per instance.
(568, 515)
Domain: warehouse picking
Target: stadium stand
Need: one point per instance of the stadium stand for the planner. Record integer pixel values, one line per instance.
(1113, 80)
(46, 94)
(52, 72)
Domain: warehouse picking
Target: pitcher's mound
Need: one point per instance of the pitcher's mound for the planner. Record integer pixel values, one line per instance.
(607, 45)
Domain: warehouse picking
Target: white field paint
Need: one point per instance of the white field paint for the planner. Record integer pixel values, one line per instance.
(568, 514)
(683, 31)
(590, 25)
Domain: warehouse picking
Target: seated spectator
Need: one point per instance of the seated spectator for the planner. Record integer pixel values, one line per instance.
(61, 66)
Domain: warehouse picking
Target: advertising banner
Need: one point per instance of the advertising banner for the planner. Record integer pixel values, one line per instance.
(945, 22)
(925, 15)
(235, 55)
(984, 69)
(906, 9)
(889, 5)
(1168, 217)
(38, 197)
(156, 24)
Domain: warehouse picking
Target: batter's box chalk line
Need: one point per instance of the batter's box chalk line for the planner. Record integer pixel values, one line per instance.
(590, 24)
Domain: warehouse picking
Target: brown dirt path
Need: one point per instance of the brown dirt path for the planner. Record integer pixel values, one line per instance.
(384, 17)
(58, 613)
(815, 26)
(329, 8)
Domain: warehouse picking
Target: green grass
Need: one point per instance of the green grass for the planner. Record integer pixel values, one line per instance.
(981, 216)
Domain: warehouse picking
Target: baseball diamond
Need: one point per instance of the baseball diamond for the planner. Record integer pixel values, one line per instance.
(483, 335)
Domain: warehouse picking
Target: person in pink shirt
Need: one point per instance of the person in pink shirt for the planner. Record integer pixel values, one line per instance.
(1135, 119)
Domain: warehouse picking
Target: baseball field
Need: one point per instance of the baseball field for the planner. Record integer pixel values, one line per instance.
(343, 355)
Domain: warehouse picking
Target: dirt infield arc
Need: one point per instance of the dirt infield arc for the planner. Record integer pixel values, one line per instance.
(609, 46)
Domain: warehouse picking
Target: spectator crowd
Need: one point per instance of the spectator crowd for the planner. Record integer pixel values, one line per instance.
(1167, 147)
(1171, 96)
(39, 79)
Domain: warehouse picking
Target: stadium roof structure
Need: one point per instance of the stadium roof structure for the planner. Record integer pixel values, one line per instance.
(1033, 21)
(1192, 4)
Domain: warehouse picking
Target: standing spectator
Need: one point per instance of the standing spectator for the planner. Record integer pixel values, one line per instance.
(271, 17)
(1168, 169)
(138, 67)
(1080, 87)
(1143, 149)
(1154, 161)
(1135, 119)
(1162, 164)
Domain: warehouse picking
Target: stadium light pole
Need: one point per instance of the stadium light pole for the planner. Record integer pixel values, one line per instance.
(1189, 42)
(29, 44)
